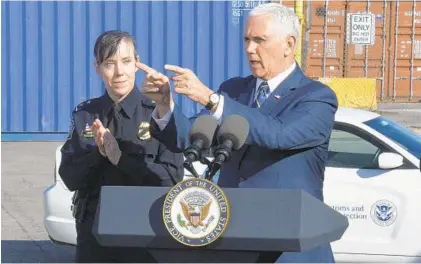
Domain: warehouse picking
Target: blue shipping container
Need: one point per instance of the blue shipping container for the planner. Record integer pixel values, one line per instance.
(47, 53)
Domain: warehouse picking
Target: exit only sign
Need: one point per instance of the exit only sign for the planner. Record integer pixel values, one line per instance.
(360, 28)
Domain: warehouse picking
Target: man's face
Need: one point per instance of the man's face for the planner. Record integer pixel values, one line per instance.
(267, 51)
(119, 71)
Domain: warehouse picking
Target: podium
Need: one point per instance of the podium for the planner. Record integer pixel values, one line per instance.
(262, 221)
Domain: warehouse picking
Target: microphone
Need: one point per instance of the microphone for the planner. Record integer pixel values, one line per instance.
(232, 134)
(201, 137)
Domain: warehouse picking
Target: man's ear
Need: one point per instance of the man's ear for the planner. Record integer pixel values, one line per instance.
(291, 43)
(96, 66)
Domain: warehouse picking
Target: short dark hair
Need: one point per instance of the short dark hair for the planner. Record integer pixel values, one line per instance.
(107, 43)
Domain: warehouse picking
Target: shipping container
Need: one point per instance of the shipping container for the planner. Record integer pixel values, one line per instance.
(47, 60)
(47, 53)
(393, 59)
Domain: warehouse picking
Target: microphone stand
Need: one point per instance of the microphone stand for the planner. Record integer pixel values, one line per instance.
(187, 164)
(216, 164)
(205, 161)
(213, 167)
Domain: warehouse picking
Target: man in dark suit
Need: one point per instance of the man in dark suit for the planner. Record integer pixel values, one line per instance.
(290, 116)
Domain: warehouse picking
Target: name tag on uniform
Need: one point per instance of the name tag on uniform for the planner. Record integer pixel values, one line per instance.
(143, 132)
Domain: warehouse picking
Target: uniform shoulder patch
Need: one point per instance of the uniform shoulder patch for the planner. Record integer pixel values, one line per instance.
(82, 105)
(93, 102)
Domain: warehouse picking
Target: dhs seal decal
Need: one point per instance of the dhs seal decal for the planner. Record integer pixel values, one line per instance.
(383, 213)
(196, 212)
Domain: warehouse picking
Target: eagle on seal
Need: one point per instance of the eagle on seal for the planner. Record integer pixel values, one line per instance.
(196, 215)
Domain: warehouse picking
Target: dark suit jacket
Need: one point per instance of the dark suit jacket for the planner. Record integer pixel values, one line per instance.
(287, 146)
(288, 139)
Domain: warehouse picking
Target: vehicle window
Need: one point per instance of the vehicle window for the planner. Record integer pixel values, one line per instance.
(351, 151)
(403, 136)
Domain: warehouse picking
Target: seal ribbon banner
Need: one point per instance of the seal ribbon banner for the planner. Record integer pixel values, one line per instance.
(196, 212)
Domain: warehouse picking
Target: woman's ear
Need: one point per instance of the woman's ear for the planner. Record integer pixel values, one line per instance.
(96, 66)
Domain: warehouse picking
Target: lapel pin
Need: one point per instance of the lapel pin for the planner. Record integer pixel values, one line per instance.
(277, 96)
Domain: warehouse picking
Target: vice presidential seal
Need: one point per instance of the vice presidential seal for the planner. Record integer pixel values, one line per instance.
(196, 212)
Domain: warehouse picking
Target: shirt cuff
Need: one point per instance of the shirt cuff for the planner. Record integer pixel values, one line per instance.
(219, 109)
(163, 122)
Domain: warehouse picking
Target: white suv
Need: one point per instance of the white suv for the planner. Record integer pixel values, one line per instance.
(372, 177)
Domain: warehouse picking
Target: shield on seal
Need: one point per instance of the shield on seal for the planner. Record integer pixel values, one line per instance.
(195, 219)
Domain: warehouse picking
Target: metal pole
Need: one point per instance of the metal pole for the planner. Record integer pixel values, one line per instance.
(396, 50)
(306, 36)
(411, 80)
(299, 9)
(383, 48)
(366, 46)
(345, 48)
(325, 39)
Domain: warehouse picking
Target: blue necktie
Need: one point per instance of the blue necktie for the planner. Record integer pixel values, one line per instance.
(262, 95)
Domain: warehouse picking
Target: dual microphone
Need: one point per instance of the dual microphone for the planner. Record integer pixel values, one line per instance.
(230, 135)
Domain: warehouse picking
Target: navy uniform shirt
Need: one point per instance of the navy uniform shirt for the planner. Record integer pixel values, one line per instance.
(144, 160)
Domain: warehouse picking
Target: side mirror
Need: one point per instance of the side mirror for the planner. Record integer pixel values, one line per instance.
(388, 160)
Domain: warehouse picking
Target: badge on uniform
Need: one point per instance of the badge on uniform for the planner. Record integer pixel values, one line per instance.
(143, 133)
(87, 132)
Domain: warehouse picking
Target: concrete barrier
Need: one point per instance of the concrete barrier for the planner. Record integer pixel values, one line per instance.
(354, 92)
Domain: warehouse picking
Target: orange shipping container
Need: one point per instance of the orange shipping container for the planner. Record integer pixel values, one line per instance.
(394, 59)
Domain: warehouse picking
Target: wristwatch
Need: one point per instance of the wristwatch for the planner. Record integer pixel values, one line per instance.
(213, 100)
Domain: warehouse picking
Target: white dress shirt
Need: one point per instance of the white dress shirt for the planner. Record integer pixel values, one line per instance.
(273, 84)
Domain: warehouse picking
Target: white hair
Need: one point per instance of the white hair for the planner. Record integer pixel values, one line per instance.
(286, 19)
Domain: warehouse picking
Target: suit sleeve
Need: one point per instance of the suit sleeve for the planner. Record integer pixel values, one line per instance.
(79, 160)
(175, 135)
(166, 170)
(307, 125)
